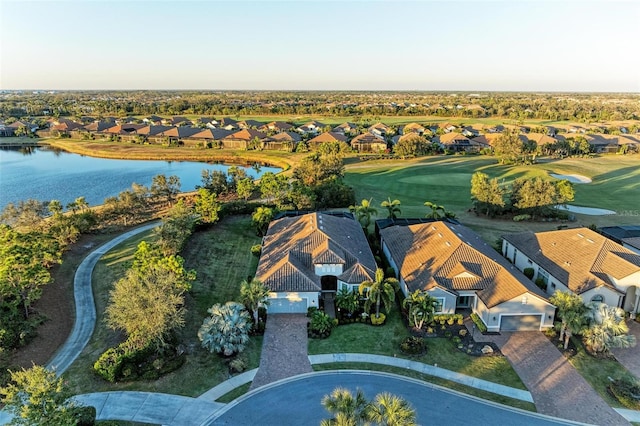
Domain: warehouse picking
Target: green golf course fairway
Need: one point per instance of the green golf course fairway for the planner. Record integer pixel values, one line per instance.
(447, 181)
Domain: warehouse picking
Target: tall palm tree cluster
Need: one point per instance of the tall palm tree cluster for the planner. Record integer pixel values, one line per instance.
(349, 410)
(601, 326)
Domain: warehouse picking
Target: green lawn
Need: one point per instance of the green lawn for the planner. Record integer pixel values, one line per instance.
(597, 371)
(222, 259)
(385, 340)
(446, 180)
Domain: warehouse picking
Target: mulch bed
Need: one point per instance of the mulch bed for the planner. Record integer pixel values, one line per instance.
(467, 343)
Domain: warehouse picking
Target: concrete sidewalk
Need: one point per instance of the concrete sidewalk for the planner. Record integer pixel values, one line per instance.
(149, 407)
(85, 319)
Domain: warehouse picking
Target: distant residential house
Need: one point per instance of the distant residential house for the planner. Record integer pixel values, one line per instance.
(326, 137)
(470, 132)
(284, 141)
(31, 127)
(311, 128)
(380, 130)
(123, 129)
(461, 271)
(447, 127)
(242, 139)
(250, 124)
(208, 122)
(61, 125)
(228, 123)
(308, 257)
(98, 126)
(626, 235)
(605, 143)
(412, 128)
(496, 129)
(551, 131)
(153, 120)
(486, 140)
(456, 142)
(176, 121)
(368, 142)
(180, 134)
(276, 126)
(540, 139)
(346, 128)
(208, 138)
(580, 261)
(152, 131)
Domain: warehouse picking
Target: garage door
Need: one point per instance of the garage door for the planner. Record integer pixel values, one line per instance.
(520, 322)
(286, 306)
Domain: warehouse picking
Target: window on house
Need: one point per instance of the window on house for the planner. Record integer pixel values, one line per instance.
(439, 304)
(598, 298)
(543, 275)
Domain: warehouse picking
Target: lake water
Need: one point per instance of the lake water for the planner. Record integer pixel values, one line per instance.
(45, 174)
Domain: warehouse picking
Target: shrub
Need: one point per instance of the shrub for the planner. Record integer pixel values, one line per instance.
(112, 364)
(321, 324)
(238, 365)
(456, 339)
(627, 391)
(413, 346)
(528, 272)
(521, 217)
(256, 250)
(541, 284)
(85, 415)
(447, 334)
(463, 332)
(378, 321)
(450, 320)
(478, 322)
(311, 310)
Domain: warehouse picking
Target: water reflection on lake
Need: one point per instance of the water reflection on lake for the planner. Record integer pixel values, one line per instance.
(46, 174)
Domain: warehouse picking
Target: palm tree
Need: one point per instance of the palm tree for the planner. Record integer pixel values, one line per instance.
(437, 211)
(569, 306)
(381, 291)
(364, 212)
(81, 204)
(392, 208)
(347, 410)
(226, 331)
(421, 306)
(391, 410)
(253, 294)
(575, 322)
(607, 329)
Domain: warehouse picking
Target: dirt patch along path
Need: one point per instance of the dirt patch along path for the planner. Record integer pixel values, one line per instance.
(284, 349)
(56, 305)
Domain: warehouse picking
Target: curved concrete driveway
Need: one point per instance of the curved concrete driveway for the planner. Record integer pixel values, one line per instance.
(85, 319)
(296, 401)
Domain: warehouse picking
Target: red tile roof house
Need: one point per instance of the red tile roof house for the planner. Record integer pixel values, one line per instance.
(461, 271)
(284, 141)
(242, 139)
(367, 142)
(326, 137)
(581, 261)
(308, 257)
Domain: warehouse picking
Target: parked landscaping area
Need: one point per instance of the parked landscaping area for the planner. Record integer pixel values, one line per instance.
(222, 259)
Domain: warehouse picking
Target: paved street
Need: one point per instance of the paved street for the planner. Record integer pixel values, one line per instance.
(297, 402)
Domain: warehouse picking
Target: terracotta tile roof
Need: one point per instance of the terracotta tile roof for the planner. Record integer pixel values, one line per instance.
(541, 139)
(367, 138)
(454, 139)
(294, 244)
(285, 136)
(153, 130)
(328, 137)
(246, 135)
(454, 258)
(580, 258)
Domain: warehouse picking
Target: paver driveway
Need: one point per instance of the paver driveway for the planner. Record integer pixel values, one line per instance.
(284, 349)
(557, 388)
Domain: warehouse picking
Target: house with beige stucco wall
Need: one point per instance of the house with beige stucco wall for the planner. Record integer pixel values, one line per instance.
(580, 261)
(461, 271)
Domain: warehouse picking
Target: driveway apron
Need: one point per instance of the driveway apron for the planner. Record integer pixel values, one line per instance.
(284, 349)
(557, 388)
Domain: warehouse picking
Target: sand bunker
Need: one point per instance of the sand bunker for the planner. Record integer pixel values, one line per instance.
(591, 211)
(572, 178)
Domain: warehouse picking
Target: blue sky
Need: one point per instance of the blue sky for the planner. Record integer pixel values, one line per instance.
(561, 45)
